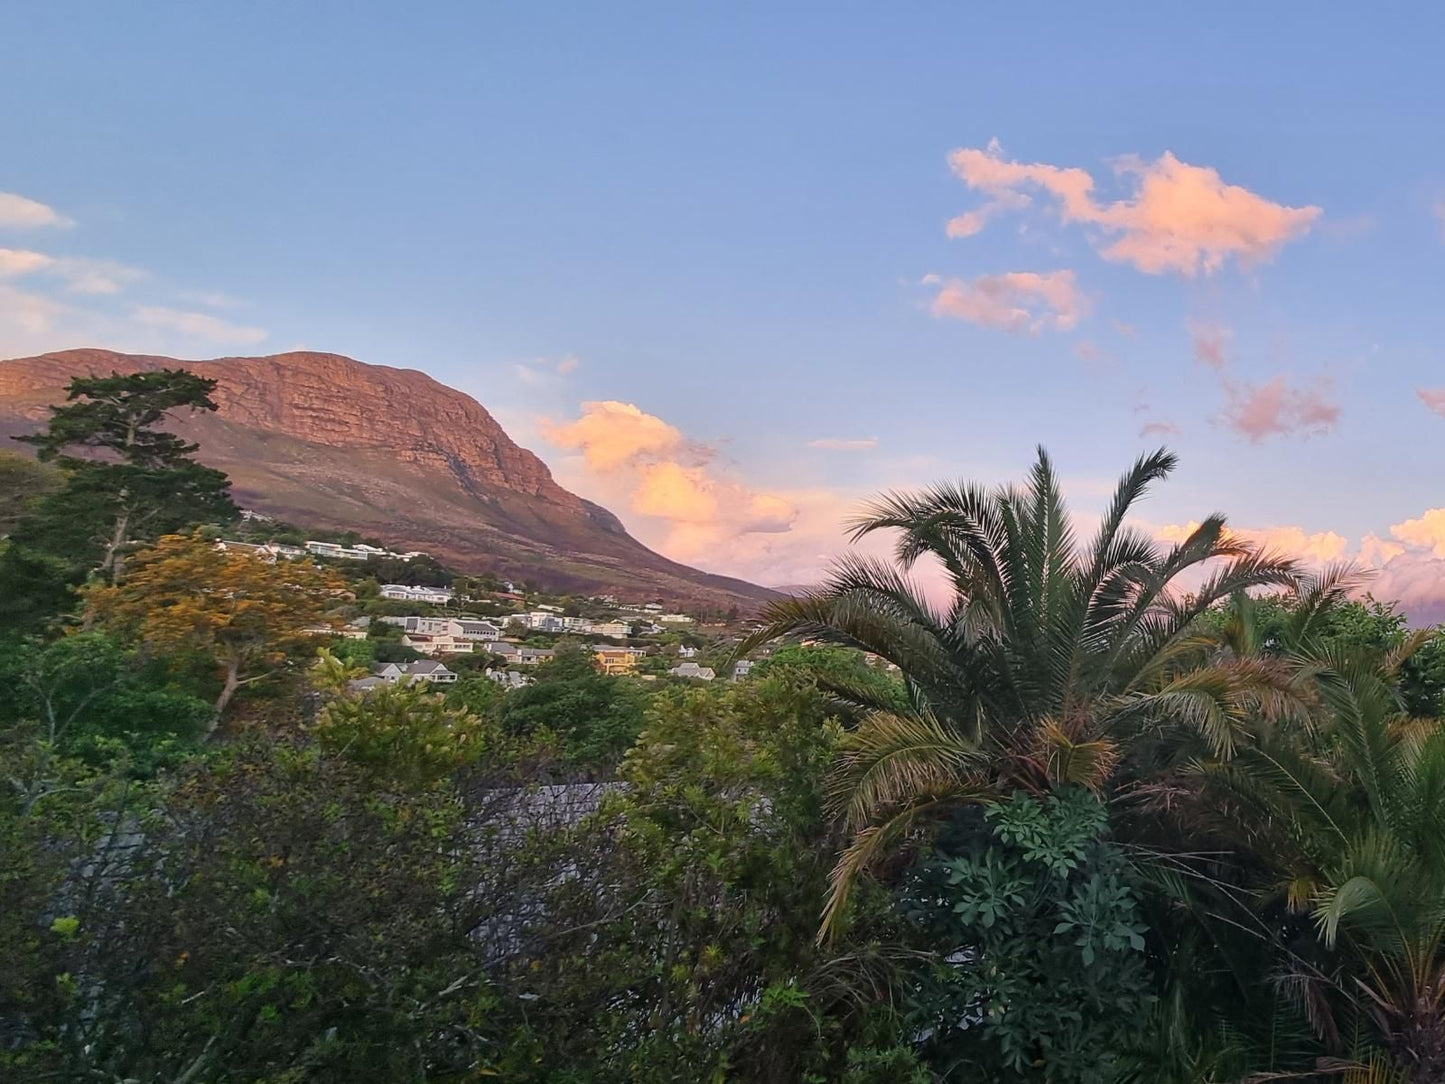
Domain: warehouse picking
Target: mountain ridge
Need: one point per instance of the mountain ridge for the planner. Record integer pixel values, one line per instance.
(324, 440)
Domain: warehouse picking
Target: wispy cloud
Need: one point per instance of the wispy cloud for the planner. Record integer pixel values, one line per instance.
(1433, 398)
(17, 212)
(1209, 341)
(1257, 411)
(1178, 218)
(1159, 429)
(539, 371)
(1017, 301)
(80, 274)
(844, 444)
(198, 325)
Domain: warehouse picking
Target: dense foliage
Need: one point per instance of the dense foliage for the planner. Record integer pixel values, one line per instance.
(1111, 813)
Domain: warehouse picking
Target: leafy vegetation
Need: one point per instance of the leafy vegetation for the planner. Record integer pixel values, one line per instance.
(1112, 812)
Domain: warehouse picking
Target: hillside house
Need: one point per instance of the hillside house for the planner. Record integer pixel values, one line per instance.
(438, 645)
(425, 670)
(742, 668)
(614, 630)
(694, 671)
(437, 596)
(617, 660)
(460, 628)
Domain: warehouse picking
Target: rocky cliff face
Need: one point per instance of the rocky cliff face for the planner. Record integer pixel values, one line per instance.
(323, 440)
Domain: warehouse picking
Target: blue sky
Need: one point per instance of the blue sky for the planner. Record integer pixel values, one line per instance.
(720, 223)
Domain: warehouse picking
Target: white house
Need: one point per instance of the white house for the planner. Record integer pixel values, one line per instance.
(437, 596)
(693, 670)
(675, 619)
(543, 621)
(742, 668)
(425, 670)
(509, 679)
(616, 630)
(438, 645)
(685, 652)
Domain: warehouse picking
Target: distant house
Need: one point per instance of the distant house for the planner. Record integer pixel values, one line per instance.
(693, 670)
(437, 645)
(359, 552)
(345, 632)
(675, 619)
(510, 679)
(516, 655)
(685, 652)
(544, 621)
(742, 668)
(459, 628)
(616, 660)
(614, 630)
(425, 670)
(437, 596)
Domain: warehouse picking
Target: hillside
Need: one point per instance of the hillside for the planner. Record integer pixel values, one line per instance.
(323, 440)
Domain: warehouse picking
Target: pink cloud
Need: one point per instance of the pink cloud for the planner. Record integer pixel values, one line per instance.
(844, 444)
(1017, 301)
(633, 457)
(1315, 548)
(1433, 398)
(1427, 531)
(1257, 411)
(1179, 217)
(1159, 429)
(1209, 339)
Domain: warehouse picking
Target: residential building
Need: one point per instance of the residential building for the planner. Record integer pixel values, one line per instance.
(616, 660)
(543, 621)
(516, 654)
(742, 668)
(359, 552)
(509, 679)
(438, 645)
(616, 630)
(345, 632)
(461, 628)
(685, 652)
(675, 619)
(437, 596)
(693, 670)
(425, 670)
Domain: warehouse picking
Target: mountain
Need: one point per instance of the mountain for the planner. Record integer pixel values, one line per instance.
(322, 440)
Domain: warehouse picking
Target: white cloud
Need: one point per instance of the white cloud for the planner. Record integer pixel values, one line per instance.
(81, 275)
(20, 213)
(197, 325)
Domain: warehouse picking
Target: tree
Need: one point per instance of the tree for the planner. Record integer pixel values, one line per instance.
(1342, 819)
(248, 615)
(593, 716)
(87, 696)
(1038, 914)
(130, 480)
(23, 482)
(1048, 655)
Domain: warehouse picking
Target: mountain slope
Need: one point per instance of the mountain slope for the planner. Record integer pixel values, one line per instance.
(323, 440)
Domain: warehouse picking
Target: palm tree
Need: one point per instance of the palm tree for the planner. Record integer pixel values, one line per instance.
(1344, 817)
(1045, 658)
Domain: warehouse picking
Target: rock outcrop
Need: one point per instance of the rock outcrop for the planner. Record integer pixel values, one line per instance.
(323, 440)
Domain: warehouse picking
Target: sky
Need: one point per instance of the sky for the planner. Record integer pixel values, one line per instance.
(732, 269)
